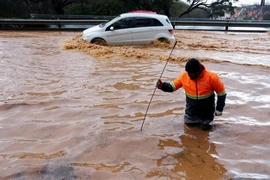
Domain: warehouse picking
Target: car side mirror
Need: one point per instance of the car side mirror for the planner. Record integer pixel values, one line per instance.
(111, 28)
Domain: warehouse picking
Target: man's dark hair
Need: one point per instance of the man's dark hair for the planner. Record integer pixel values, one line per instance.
(193, 65)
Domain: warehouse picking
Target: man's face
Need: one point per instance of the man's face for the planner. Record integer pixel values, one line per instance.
(193, 75)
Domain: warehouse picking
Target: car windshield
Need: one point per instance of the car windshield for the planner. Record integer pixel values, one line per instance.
(103, 24)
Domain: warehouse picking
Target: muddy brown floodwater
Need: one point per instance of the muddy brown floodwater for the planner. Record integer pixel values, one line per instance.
(71, 110)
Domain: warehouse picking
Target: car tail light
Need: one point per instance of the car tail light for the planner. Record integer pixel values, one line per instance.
(171, 31)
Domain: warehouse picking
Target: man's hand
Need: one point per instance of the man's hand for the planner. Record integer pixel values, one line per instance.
(159, 84)
(218, 113)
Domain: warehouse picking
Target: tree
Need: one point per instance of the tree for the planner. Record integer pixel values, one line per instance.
(219, 7)
(13, 9)
(39, 6)
(58, 5)
(139, 4)
(178, 7)
(101, 7)
(266, 12)
(165, 6)
(23, 8)
(159, 6)
(213, 9)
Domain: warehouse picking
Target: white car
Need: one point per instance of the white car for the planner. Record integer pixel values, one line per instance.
(134, 28)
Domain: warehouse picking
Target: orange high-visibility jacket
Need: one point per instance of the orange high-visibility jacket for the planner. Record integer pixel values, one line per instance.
(200, 93)
(202, 87)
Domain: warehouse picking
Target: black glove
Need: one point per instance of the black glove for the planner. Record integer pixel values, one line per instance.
(159, 84)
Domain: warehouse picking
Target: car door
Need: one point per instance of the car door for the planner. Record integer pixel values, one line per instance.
(120, 32)
(143, 32)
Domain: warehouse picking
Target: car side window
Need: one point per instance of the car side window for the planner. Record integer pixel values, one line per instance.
(122, 24)
(142, 22)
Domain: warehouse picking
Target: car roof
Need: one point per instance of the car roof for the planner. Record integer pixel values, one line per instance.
(142, 14)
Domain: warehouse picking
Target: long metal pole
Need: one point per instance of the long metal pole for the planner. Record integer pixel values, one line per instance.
(156, 87)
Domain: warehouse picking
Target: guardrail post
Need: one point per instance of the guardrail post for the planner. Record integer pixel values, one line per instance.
(59, 25)
(226, 27)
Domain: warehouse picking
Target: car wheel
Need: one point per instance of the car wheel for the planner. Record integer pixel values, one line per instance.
(164, 40)
(99, 41)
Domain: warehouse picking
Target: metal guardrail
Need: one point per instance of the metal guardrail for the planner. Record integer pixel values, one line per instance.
(50, 22)
(229, 23)
(24, 23)
(63, 16)
(46, 24)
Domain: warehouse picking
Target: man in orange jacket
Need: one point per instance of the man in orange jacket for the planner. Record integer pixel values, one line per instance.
(200, 87)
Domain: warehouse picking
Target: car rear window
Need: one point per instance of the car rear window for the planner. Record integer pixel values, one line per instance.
(157, 22)
(168, 21)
